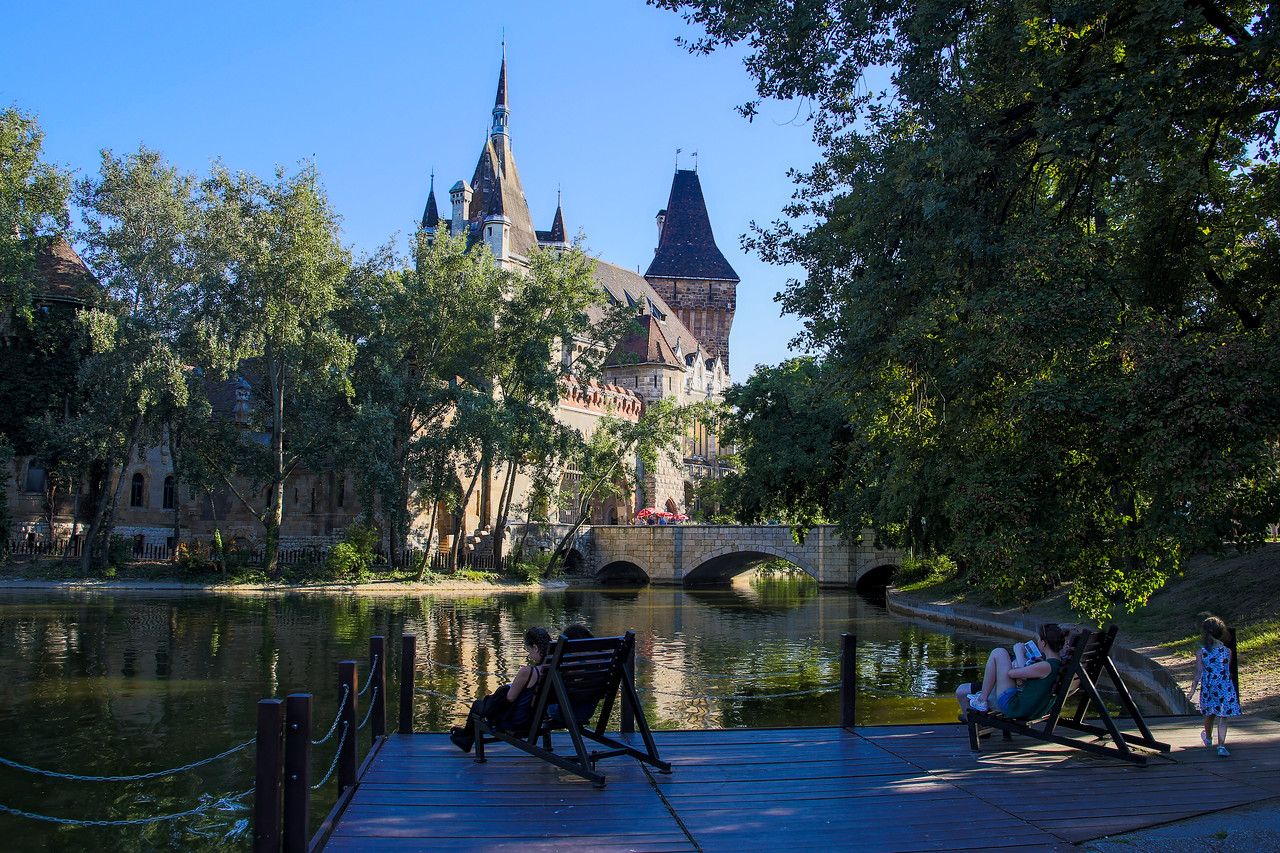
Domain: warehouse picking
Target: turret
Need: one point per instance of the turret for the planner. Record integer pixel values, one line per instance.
(501, 112)
(460, 197)
(431, 216)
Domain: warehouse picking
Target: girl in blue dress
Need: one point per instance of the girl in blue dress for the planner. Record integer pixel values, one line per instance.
(1218, 699)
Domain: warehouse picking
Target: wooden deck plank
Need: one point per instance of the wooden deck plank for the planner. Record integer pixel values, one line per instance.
(879, 788)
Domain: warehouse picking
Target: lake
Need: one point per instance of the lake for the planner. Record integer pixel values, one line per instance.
(118, 683)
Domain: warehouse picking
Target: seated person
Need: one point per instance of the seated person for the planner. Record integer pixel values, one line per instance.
(1014, 687)
(510, 706)
(581, 710)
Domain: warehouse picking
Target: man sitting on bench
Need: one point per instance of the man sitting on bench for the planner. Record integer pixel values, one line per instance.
(1013, 685)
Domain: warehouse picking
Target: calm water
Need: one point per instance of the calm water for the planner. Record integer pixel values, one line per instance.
(110, 684)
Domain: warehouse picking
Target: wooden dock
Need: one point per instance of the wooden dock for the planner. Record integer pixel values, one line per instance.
(882, 788)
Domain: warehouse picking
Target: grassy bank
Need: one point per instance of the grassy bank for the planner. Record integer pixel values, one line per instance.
(1241, 589)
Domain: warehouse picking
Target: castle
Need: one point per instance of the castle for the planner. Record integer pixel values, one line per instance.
(678, 349)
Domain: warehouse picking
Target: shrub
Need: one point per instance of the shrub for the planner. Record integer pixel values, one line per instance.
(532, 567)
(353, 557)
(193, 558)
(930, 568)
(119, 551)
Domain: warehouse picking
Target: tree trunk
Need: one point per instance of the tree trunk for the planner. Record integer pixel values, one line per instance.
(218, 557)
(103, 518)
(75, 518)
(177, 504)
(456, 551)
(504, 509)
(431, 532)
(584, 510)
(275, 509)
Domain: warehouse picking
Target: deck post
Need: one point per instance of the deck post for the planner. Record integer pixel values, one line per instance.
(266, 782)
(297, 772)
(627, 723)
(348, 761)
(408, 648)
(378, 672)
(848, 679)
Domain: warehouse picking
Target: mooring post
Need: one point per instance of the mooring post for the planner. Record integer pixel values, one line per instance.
(266, 780)
(628, 721)
(848, 679)
(378, 672)
(348, 761)
(297, 772)
(408, 651)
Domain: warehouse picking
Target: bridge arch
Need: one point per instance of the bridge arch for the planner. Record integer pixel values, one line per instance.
(622, 573)
(720, 565)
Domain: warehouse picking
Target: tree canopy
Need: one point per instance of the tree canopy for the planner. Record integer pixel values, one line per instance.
(1041, 263)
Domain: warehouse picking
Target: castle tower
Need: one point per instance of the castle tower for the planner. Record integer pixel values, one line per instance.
(688, 270)
(431, 216)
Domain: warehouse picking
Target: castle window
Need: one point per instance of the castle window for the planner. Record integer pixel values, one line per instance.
(656, 379)
(136, 487)
(37, 477)
(342, 490)
(313, 498)
(170, 491)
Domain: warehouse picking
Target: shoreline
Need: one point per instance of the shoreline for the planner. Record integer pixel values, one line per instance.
(1142, 674)
(373, 588)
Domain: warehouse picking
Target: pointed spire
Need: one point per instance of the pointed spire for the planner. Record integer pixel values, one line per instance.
(501, 111)
(557, 224)
(686, 247)
(431, 216)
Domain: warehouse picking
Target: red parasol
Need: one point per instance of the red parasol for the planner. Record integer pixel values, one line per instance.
(646, 512)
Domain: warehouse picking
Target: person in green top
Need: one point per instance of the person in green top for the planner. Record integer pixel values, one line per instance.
(1013, 686)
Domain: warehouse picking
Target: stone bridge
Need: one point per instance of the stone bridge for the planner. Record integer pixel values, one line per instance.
(710, 554)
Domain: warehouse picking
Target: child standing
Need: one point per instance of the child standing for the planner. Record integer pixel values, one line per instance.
(1218, 699)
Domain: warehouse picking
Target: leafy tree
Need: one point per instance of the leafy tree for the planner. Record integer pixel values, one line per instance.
(1042, 262)
(418, 331)
(613, 456)
(545, 332)
(33, 203)
(272, 274)
(790, 425)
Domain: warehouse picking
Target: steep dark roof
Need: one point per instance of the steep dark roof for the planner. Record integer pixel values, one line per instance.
(624, 287)
(500, 100)
(557, 226)
(431, 216)
(62, 275)
(644, 344)
(687, 248)
(497, 191)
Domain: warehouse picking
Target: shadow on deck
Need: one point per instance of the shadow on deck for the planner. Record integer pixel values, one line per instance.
(877, 788)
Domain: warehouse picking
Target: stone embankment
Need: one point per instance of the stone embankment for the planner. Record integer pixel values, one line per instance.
(1142, 675)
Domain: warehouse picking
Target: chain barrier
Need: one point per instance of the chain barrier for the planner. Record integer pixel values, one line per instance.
(424, 691)
(369, 713)
(334, 764)
(458, 668)
(133, 777)
(227, 803)
(342, 706)
(373, 667)
(725, 676)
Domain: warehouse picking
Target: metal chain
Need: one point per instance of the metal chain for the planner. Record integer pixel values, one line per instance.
(342, 706)
(373, 667)
(336, 755)
(735, 698)
(458, 668)
(133, 777)
(369, 713)
(716, 675)
(439, 695)
(137, 821)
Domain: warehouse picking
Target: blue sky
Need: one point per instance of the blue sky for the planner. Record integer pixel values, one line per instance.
(380, 93)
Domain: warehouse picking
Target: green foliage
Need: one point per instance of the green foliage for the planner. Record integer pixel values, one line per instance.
(353, 557)
(532, 568)
(119, 552)
(1041, 265)
(193, 558)
(925, 569)
(33, 202)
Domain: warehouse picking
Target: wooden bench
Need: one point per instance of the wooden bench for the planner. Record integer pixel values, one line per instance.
(582, 674)
(1085, 657)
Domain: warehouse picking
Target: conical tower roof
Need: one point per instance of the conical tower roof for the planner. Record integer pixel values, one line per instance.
(687, 248)
(431, 216)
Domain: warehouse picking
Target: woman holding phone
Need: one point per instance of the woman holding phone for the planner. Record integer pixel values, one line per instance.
(1014, 686)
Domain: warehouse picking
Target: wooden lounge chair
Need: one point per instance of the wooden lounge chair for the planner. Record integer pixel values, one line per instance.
(1085, 656)
(580, 674)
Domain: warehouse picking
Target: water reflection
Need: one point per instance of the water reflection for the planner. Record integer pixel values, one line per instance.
(105, 684)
